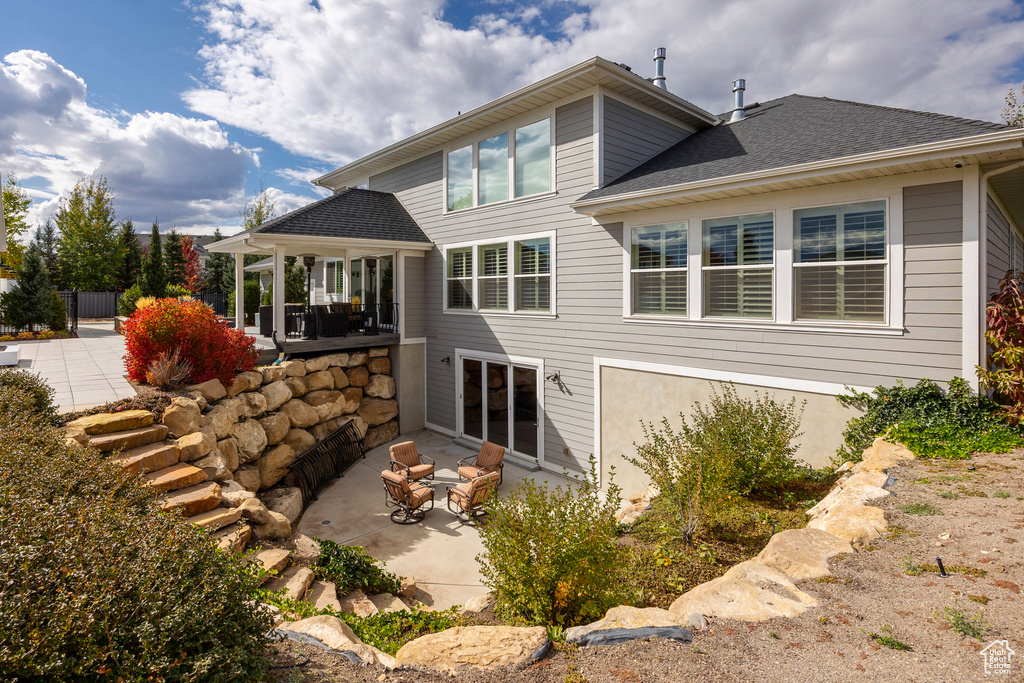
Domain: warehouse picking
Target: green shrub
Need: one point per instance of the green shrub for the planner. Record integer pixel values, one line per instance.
(176, 291)
(100, 585)
(126, 304)
(551, 556)
(58, 313)
(349, 568)
(928, 421)
(1004, 374)
(22, 391)
(962, 622)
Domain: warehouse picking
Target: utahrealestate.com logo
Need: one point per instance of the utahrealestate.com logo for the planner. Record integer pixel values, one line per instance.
(997, 657)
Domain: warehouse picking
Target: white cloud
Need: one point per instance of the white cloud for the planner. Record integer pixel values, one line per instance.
(337, 79)
(182, 169)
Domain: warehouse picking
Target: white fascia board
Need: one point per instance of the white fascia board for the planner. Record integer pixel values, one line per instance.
(355, 168)
(932, 151)
(266, 242)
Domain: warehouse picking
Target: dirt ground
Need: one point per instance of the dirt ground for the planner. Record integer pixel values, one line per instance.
(975, 523)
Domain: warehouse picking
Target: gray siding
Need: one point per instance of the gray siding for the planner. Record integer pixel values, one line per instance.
(632, 136)
(415, 311)
(998, 246)
(589, 301)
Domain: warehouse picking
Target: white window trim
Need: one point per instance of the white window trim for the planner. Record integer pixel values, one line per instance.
(783, 292)
(757, 266)
(631, 271)
(510, 241)
(474, 144)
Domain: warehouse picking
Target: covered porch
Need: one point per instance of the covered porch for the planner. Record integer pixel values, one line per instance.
(355, 254)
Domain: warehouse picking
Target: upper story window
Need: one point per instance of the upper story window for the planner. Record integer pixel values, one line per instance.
(839, 262)
(511, 276)
(509, 165)
(658, 269)
(738, 265)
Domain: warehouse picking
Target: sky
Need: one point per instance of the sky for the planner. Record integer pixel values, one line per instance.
(188, 107)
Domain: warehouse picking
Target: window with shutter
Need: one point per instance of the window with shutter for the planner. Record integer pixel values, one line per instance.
(460, 278)
(738, 266)
(658, 269)
(533, 275)
(493, 276)
(839, 262)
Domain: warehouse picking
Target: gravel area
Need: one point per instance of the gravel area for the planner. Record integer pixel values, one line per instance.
(969, 513)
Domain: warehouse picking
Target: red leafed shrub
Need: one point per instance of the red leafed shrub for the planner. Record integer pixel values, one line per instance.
(1005, 336)
(213, 350)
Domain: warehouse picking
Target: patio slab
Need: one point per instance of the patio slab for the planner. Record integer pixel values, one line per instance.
(439, 552)
(84, 372)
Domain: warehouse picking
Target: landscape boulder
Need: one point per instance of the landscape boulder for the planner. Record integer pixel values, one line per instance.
(802, 553)
(357, 603)
(106, 423)
(223, 416)
(377, 411)
(481, 647)
(300, 413)
(276, 394)
(335, 634)
(340, 377)
(238, 385)
(276, 426)
(284, 499)
(215, 465)
(272, 373)
(356, 359)
(275, 527)
(195, 445)
(299, 386)
(380, 386)
(248, 478)
(317, 364)
(251, 440)
(855, 522)
(181, 417)
(379, 366)
(254, 402)
(381, 434)
(234, 494)
(305, 550)
(299, 440)
(358, 376)
(293, 368)
(212, 390)
(318, 381)
(253, 379)
(273, 464)
(626, 617)
(378, 352)
(749, 591)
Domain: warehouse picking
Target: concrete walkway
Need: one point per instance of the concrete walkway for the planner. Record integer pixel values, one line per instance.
(84, 372)
(439, 552)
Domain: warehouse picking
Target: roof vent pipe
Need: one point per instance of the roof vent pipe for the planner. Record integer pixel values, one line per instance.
(659, 68)
(738, 86)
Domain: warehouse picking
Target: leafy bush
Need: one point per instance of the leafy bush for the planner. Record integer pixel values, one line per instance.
(213, 350)
(58, 313)
(26, 391)
(551, 556)
(100, 585)
(169, 370)
(962, 622)
(176, 291)
(126, 304)
(349, 568)
(1005, 335)
(928, 421)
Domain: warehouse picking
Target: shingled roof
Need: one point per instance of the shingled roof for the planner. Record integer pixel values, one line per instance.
(353, 214)
(791, 130)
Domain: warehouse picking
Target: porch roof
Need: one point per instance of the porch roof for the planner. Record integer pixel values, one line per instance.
(354, 216)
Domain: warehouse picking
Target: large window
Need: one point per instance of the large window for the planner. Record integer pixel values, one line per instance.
(738, 266)
(526, 150)
(658, 269)
(839, 262)
(460, 179)
(511, 276)
(460, 278)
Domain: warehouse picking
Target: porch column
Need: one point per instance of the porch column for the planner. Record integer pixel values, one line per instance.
(279, 293)
(240, 292)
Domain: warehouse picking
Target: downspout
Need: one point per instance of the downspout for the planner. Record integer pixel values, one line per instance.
(983, 254)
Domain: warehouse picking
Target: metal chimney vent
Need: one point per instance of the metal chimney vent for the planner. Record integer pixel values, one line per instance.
(659, 68)
(738, 86)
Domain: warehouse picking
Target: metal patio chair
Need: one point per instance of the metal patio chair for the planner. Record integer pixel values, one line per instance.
(489, 459)
(408, 461)
(407, 497)
(469, 498)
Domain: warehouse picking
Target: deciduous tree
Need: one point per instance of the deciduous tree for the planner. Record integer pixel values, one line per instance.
(16, 202)
(193, 268)
(1014, 112)
(88, 253)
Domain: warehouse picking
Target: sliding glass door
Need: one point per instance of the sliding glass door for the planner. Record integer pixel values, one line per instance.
(499, 401)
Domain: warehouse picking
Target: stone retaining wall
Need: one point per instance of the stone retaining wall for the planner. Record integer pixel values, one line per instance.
(252, 430)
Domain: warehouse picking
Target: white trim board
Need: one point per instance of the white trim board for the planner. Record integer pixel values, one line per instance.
(439, 429)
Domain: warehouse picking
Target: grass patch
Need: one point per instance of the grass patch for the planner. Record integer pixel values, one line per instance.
(980, 599)
(973, 493)
(1001, 494)
(920, 509)
(963, 623)
(952, 495)
(889, 641)
(910, 567)
(827, 579)
(897, 532)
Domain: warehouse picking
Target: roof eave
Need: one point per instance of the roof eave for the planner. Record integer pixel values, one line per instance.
(265, 242)
(979, 144)
(353, 168)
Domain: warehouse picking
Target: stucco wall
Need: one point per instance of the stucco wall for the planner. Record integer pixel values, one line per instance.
(629, 396)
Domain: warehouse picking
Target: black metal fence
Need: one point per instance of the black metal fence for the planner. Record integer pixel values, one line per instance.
(70, 298)
(97, 304)
(336, 320)
(325, 461)
(215, 300)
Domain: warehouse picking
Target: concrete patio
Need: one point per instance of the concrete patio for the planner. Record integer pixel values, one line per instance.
(439, 552)
(84, 372)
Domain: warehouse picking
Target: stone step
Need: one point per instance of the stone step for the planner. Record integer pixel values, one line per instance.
(386, 602)
(106, 423)
(233, 538)
(294, 581)
(217, 518)
(177, 476)
(132, 438)
(194, 499)
(148, 458)
(357, 603)
(323, 594)
(274, 560)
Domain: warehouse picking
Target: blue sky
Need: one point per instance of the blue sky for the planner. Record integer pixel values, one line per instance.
(188, 106)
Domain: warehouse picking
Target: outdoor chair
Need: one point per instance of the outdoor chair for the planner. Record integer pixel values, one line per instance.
(329, 323)
(406, 460)
(408, 498)
(489, 459)
(469, 498)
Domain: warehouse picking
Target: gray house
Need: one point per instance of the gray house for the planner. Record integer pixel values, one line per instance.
(593, 250)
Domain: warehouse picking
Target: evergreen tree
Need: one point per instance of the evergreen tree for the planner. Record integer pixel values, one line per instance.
(220, 269)
(15, 206)
(131, 261)
(174, 260)
(154, 279)
(294, 281)
(30, 301)
(88, 252)
(46, 242)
